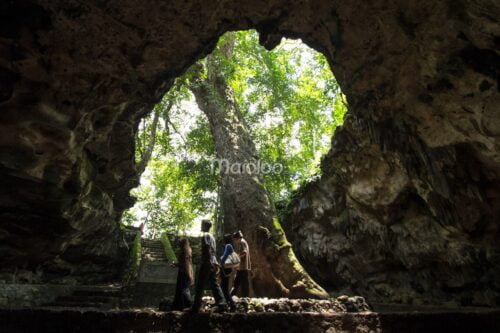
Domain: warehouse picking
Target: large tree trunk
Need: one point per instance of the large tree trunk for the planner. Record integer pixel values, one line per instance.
(276, 271)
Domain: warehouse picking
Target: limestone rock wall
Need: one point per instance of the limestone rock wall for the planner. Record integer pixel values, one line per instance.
(409, 191)
(399, 222)
(407, 208)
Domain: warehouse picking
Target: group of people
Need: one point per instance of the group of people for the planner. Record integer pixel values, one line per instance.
(235, 258)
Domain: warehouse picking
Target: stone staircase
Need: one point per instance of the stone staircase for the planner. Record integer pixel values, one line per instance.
(152, 250)
(100, 297)
(155, 267)
(155, 280)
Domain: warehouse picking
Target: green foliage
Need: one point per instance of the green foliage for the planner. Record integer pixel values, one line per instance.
(173, 194)
(134, 260)
(291, 103)
(169, 250)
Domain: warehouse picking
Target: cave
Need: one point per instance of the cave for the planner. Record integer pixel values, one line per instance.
(407, 208)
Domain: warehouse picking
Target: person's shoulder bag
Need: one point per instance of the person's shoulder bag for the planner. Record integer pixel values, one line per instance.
(232, 261)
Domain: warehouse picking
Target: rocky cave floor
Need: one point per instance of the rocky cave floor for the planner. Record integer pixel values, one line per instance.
(340, 304)
(343, 314)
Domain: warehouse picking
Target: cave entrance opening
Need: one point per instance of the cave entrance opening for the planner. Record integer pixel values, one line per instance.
(290, 102)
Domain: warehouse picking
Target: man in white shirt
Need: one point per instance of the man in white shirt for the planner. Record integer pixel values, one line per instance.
(242, 275)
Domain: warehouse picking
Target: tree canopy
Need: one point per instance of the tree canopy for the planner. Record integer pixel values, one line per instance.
(290, 101)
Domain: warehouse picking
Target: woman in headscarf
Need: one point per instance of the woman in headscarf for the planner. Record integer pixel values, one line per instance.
(182, 299)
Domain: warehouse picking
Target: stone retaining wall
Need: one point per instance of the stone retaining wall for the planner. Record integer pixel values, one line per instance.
(28, 295)
(46, 320)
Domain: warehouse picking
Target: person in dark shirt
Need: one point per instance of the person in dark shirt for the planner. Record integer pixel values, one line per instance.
(227, 270)
(208, 270)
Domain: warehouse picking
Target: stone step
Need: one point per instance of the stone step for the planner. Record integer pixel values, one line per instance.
(111, 287)
(153, 248)
(77, 304)
(88, 299)
(151, 241)
(101, 297)
(154, 253)
(111, 292)
(159, 251)
(149, 256)
(145, 320)
(158, 245)
(154, 258)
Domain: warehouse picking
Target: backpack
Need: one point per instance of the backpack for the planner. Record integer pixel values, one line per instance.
(232, 261)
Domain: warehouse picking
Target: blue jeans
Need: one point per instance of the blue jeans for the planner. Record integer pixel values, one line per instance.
(206, 274)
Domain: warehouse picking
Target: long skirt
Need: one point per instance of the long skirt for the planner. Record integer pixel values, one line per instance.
(182, 298)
